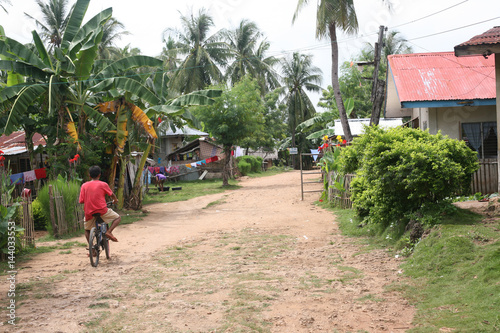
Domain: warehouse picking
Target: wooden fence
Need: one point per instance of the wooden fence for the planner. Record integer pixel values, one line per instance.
(64, 222)
(27, 223)
(340, 199)
(485, 180)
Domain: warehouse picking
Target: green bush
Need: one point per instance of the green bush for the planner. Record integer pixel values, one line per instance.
(39, 218)
(69, 190)
(244, 167)
(401, 169)
(255, 162)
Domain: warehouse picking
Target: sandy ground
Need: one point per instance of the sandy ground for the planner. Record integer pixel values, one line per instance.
(256, 259)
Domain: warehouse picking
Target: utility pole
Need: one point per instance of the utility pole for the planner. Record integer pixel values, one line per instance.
(378, 86)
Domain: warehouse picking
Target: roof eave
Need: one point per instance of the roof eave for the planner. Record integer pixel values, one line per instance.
(450, 103)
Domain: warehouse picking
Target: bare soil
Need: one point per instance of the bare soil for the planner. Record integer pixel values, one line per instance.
(256, 259)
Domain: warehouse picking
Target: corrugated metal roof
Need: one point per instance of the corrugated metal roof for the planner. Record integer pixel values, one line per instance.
(490, 37)
(442, 77)
(15, 143)
(185, 131)
(358, 125)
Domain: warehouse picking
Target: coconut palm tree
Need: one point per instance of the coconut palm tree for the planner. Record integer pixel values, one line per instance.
(330, 15)
(203, 53)
(299, 76)
(55, 19)
(249, 56)
(111, 32)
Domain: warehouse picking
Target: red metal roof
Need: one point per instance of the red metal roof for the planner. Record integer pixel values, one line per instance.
(442, 77)
(490, 37)
(15, 143)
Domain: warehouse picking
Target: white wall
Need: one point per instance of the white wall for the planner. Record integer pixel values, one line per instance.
(449, 120)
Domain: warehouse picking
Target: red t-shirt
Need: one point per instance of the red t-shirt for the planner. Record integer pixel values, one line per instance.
(92, 195)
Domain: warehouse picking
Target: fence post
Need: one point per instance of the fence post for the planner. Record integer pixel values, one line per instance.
(52, 215)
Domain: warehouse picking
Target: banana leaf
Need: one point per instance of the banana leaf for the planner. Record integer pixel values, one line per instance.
(101, 121)
(86, 59)
(87, 36)
(42, 51)
(139, 117)
(74, 23)
(18, 67)
(128, 63)
(14, 50)
(129, 85)
(24, 99)
(320, 134)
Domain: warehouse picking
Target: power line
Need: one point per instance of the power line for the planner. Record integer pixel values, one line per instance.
(455, 29)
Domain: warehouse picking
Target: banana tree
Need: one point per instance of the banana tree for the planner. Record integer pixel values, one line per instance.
(124, 110)
(65, 83)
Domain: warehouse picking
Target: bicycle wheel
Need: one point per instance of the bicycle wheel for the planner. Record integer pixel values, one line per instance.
(93, 248)
(105, 245)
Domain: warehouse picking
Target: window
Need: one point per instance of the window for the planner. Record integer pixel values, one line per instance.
(481, 137)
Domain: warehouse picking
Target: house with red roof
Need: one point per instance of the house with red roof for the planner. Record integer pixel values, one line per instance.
(454, 95)
(15, 151)
(486, 45)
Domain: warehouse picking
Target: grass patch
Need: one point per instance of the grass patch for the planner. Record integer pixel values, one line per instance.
(215, 203)
(190, 189)
(269, 172)
(454, 270)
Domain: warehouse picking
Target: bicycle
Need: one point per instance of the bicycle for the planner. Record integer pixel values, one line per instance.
(98, 241)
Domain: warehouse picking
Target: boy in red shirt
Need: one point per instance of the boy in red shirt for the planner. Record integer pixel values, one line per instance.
(93, 196)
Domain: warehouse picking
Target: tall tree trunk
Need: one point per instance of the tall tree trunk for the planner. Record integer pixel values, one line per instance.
(378, 102)
(336, 84)
(225, 169)
(112, 174)
(136, 196)
(121, 182)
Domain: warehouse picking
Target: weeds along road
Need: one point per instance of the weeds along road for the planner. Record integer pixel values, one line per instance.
(256, 259)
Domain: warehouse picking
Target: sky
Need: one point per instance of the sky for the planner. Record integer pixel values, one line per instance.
(428, 25)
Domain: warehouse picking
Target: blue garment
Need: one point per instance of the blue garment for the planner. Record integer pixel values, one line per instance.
(17, 178)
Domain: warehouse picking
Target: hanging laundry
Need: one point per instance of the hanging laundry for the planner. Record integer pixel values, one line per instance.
(188, 166)
(29, 176)
(162, 169)
(193, 165)
(41, 173)
(215, 158)
(151, 169)
(17, 178)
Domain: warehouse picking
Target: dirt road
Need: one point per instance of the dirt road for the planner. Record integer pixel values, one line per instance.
(257, 259)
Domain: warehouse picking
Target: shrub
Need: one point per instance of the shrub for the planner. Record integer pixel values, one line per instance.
(39, 218)
(401, 169)
(69, 190)
(244, 167)
(255, 162)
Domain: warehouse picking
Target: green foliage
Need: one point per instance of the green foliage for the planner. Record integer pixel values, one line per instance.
(247, 164)
(8, 215)
(39, 218)
(236, 114)
(400, 170)
(330, 162)
(456, 267)
(244, 167)
(69, 190)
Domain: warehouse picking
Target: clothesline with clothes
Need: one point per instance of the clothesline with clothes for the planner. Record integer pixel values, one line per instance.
(28, 176)
(175, 168)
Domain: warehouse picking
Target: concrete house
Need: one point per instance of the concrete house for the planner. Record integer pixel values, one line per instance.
(454, 95)
(441, 92)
